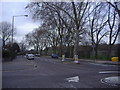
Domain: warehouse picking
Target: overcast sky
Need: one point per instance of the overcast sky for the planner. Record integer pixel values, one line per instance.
(22, 24)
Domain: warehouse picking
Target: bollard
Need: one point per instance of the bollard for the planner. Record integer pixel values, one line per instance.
(63, 57)
(76, 58)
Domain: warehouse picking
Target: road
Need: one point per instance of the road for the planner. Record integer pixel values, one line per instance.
(45, 72)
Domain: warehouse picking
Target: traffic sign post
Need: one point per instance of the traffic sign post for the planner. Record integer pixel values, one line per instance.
(63, 57)
(76, 58)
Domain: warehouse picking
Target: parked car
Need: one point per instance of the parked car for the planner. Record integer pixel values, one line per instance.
(37, 55)
(54, 56)
(29, 56)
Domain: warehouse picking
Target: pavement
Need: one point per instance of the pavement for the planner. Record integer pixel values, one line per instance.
(94, 61)
(102, 62)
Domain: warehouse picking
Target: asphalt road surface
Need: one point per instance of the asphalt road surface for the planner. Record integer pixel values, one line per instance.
(45, 72)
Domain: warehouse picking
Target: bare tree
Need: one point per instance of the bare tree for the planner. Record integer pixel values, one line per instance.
(37, 39)
(23, 46)
(97, 23)
(5, 28)
(53, 18)
(68, 24)
(112, 18)
(76, 14)
(115, 5)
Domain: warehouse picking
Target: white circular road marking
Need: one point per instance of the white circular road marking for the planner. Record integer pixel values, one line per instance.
(113, 81)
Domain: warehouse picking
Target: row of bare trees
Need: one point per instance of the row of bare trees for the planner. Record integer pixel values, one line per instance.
(71, 24)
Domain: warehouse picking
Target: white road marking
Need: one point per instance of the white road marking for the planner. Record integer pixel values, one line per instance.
(105, 72)
(102, 64)
(73, 79)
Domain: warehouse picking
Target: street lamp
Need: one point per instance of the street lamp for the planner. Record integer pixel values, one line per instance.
(13, 23)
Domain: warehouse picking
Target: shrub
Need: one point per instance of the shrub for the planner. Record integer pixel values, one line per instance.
(5, 54)
(8, 55)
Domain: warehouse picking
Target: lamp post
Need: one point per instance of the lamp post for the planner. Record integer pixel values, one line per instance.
(13, 23)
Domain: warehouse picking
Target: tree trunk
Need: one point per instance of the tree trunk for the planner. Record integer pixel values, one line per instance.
(40, 51)
(3, 44)
(54, 49)
(37, 48)
(76, 43)
(76, 30)
(61, 47)
(68, 50)
(46, 51)
(109, 52)
(96, 52)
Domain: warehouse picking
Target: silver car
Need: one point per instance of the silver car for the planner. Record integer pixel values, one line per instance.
(30, 56)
